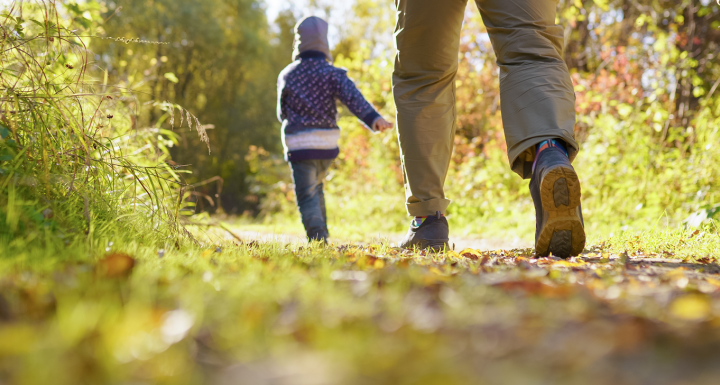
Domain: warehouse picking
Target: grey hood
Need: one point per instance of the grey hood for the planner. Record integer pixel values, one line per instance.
(311, 35)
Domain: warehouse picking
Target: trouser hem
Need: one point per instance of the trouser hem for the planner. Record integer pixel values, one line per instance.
(522, 154)
(428, 207)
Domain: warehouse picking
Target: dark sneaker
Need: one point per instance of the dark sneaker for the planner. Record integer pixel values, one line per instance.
(555, 190)
(431, 234)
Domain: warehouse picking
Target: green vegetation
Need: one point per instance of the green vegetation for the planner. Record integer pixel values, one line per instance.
(112, 270)
(74, 166)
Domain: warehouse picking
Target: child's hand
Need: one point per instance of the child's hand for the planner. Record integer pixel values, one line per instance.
(381, 124)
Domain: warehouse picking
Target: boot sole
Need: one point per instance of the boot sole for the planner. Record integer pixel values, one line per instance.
(435, 245)
(563, 233)
(430, 244)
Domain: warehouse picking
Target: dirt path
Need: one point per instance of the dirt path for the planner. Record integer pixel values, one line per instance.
(459, 243)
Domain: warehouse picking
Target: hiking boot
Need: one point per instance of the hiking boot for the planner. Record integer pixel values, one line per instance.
(555, 190)
(431, 234)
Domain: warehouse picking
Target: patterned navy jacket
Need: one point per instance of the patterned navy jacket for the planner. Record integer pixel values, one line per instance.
(307, 92)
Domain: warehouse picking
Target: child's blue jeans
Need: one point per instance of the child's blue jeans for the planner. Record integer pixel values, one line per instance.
(308, 176)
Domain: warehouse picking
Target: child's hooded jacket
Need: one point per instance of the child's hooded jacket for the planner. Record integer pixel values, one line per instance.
(307, 92)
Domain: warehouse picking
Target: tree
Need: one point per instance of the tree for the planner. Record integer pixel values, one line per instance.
(220, 63)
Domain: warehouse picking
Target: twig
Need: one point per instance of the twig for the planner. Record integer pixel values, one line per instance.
(220, 225)
(230, 232)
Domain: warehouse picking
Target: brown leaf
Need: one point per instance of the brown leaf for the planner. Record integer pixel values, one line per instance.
(631, 334)
(371, 261)
(470, 254)
(116, 264)
(545, 261)
(262, 259)
(535, 287)
(485, 260)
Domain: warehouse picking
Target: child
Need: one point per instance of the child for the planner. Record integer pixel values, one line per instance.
(307, 91)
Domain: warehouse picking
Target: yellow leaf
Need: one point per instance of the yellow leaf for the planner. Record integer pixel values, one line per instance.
(116, 264)
(691, 307)
(436, 277)
(569, 264)
(676, 273)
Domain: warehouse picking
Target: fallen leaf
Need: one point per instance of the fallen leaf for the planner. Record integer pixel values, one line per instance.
(631, 334)
(370, 261)
(605, 257)
(705, 260)
(470, 254)
(436, 277)
(545, 261)
(116, 264)
(535, 287)
(691, 307)
(486, 261)
(577, 263)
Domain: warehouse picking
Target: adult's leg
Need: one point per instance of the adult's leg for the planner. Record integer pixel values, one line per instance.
(538, 103)
(305, 177)
(428, 37)
(536, 94)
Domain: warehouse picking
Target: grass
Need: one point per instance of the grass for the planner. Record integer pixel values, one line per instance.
(290, 313)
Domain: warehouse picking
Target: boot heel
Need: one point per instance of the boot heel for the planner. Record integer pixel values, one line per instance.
(563, 233)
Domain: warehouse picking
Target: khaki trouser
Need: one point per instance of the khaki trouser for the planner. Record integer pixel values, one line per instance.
(536, 93)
